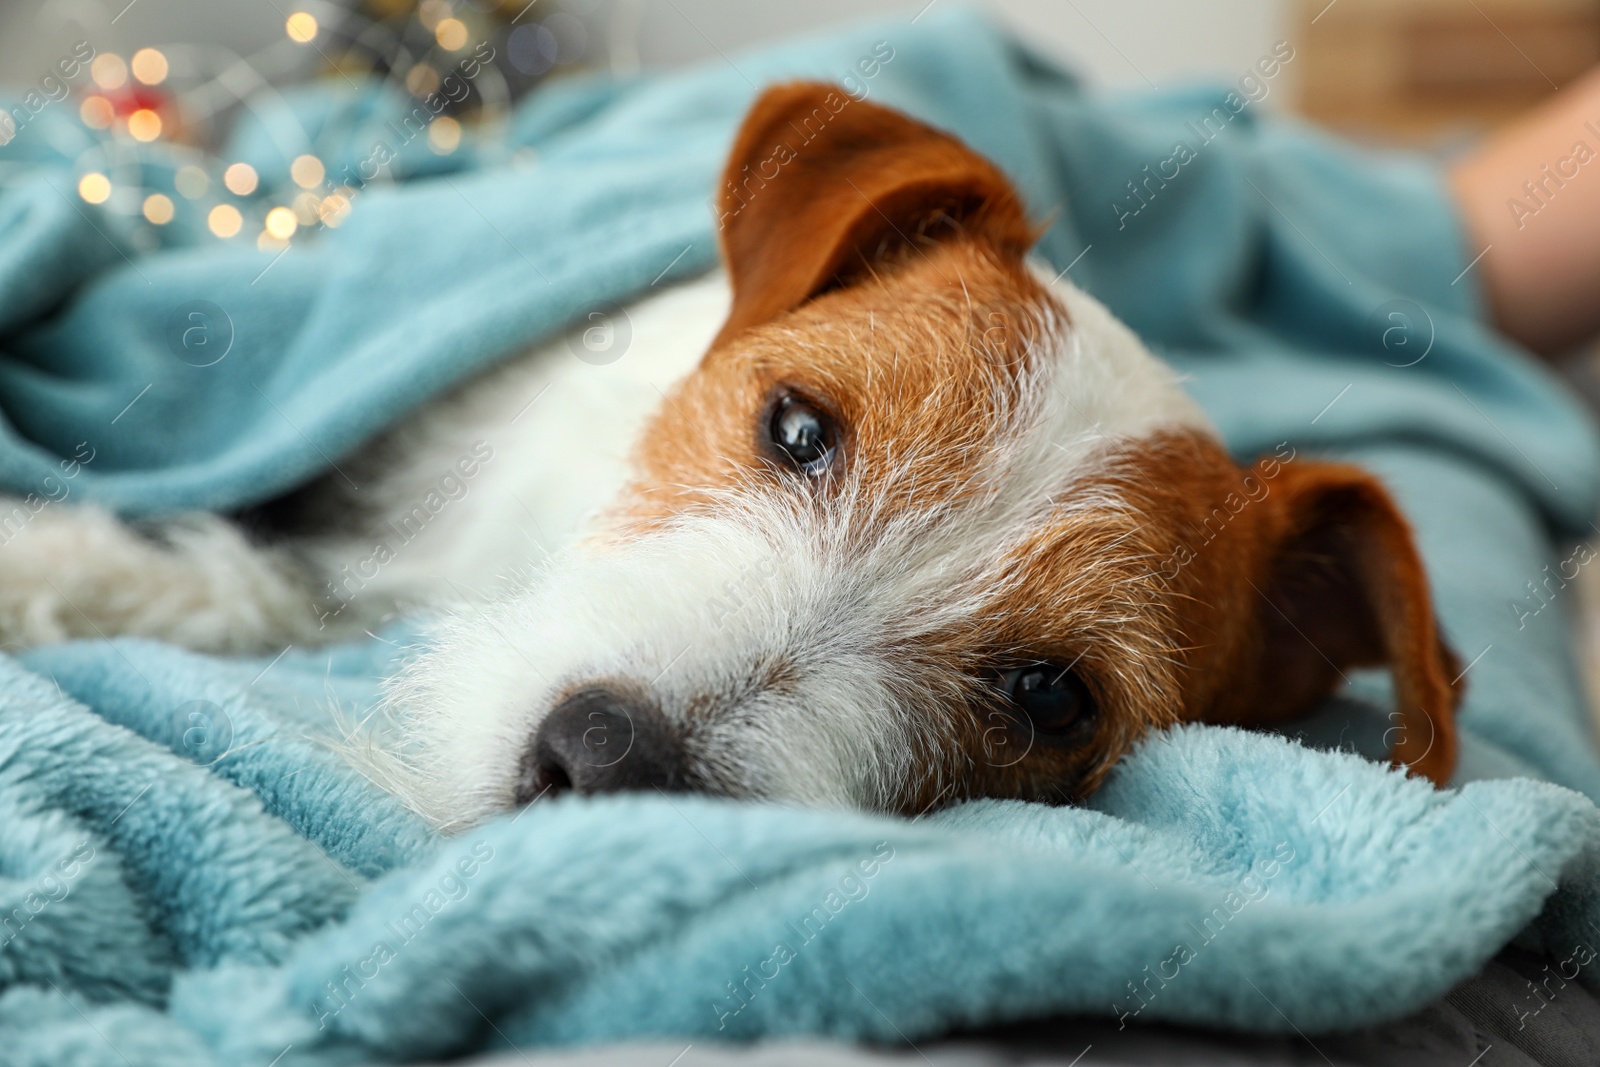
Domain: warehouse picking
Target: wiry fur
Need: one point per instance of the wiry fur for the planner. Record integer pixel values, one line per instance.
(76, 571)
(835, 658)
(831, 648)
(1017, 482)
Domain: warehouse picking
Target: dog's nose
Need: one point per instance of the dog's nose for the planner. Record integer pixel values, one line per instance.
(601, 740)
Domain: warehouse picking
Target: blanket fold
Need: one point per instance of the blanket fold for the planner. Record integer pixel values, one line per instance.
(191, 874)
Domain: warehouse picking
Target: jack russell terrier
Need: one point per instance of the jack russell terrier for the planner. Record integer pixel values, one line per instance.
(884, 516)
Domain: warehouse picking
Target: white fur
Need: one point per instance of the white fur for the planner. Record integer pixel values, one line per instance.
(779, 641)
(69, 571)
(697, 613)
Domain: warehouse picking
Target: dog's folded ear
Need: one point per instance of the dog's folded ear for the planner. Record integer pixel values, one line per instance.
(1339, 584)
(821, 186)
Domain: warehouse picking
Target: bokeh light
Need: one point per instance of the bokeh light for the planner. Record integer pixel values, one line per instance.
(241, 179)
(96, 112)
(334, 209)
(94, 187)
(149, 66)
(307, 171)
(444, 135)
(159, 209)
(281, 223)
(225, 220)
(144, 125)
(451, 34)
(109, 71)
(422, 80)
(301, 27)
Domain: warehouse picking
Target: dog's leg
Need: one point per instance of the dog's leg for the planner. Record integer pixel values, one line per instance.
(68, 571)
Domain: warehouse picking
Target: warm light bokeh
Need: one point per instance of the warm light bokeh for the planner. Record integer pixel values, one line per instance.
(307, 171)
(144, 125)
(301, 27)
(159, 209)
(149, 66)
(241, 179)
(94, 187)
(225, 220)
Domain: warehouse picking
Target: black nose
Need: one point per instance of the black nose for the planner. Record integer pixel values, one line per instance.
(601, 740)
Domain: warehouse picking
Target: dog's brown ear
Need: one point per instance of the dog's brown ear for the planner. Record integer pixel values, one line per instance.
(1340, 584)
(820, 186)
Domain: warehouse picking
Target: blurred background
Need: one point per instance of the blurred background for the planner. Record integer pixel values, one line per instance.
(1421, 72)
(191, 74)
(211, 88)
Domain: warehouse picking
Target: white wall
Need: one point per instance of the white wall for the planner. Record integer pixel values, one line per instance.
(35, 33)
(1115, 42)
(1130, 43)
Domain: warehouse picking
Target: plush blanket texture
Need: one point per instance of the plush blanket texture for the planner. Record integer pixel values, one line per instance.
(189, 876)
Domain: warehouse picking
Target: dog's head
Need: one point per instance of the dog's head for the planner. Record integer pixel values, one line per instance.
(925, 524)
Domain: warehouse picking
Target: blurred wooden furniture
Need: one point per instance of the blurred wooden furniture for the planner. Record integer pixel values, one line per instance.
(1430, 71)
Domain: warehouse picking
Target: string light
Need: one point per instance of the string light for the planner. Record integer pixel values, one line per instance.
(307, 172)
(451, 34)
(444, 135)
(334, 209)
(133, 99)
(159, 209)
(422, 80)
(109, 71)
(149, 66)
(225, 220)
(241, 179)
(281, 223)
(301, 27)
(94, 187)
(96, 112)
(144, 125)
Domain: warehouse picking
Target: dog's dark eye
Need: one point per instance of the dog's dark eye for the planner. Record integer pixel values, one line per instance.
(804, 435)
(1053, 697)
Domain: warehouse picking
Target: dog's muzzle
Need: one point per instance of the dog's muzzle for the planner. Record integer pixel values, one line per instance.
(602, 740)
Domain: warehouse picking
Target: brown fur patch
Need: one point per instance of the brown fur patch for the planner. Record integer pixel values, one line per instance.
(880, 277)
(916, 368)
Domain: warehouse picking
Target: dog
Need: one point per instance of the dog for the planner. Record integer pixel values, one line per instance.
(885, 514)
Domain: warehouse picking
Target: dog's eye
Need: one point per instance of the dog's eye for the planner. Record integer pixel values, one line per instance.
(1053, 697)
(804, 435)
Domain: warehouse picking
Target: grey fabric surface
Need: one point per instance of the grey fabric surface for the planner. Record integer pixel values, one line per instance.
(1494, 1019)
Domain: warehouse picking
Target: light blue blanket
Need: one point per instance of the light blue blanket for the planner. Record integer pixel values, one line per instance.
(188, 876)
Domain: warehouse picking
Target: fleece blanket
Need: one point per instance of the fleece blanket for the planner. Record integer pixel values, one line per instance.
(190, 875)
